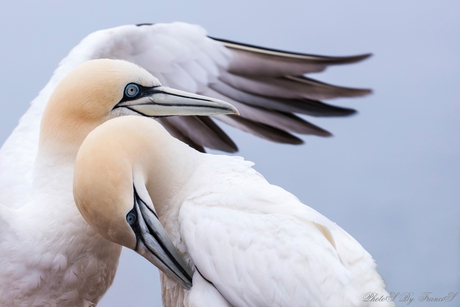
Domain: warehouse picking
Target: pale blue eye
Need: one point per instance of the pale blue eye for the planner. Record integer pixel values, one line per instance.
(131, 90)
(131, 218)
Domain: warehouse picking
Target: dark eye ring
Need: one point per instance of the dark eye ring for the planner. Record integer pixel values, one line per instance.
(131, 218)
(131, 90)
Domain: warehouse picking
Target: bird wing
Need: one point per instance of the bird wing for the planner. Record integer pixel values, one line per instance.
(267, 86)
(260, 246)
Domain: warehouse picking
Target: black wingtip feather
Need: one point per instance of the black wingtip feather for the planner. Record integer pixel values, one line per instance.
(266, 132)
(144, 24)
(328, 60)
(320, 109)
(342, 91)
(225, 144)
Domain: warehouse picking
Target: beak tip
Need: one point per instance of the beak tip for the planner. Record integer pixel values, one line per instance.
(232, 110)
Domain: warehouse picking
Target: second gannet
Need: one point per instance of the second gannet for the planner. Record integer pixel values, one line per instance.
(248, 242)
(49, 256)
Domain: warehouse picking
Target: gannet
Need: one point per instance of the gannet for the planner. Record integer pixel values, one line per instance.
(49, 256)
(249, 243)
(267, 86)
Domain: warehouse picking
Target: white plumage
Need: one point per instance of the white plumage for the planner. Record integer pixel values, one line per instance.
(48, 255)
(256, 243)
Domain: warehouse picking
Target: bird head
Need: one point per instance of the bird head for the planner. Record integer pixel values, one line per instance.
(115, 165)
(101, 89)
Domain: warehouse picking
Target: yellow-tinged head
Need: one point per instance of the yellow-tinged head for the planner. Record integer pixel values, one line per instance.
(114, 166)
(102, 89)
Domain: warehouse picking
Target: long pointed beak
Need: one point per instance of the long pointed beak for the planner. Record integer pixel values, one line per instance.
(155, 245)
(165, 101)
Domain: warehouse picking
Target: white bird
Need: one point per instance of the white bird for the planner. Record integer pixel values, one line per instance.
(48, 254)
(249, 243)
(267, 86)
(263, 83)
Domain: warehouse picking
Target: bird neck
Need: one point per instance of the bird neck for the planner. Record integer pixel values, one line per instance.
(61, 136)
(69, 117)
(168, 178)
(57, 151)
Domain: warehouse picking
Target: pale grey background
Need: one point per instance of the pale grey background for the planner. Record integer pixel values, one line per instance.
(391, 174)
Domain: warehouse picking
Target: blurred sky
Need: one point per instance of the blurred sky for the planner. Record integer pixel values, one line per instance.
(390, 176)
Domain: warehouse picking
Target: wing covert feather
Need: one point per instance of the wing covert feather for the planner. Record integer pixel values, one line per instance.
(260, 246)
(274, 258)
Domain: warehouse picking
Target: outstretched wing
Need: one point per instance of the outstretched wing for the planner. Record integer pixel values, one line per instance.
(267, 86)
